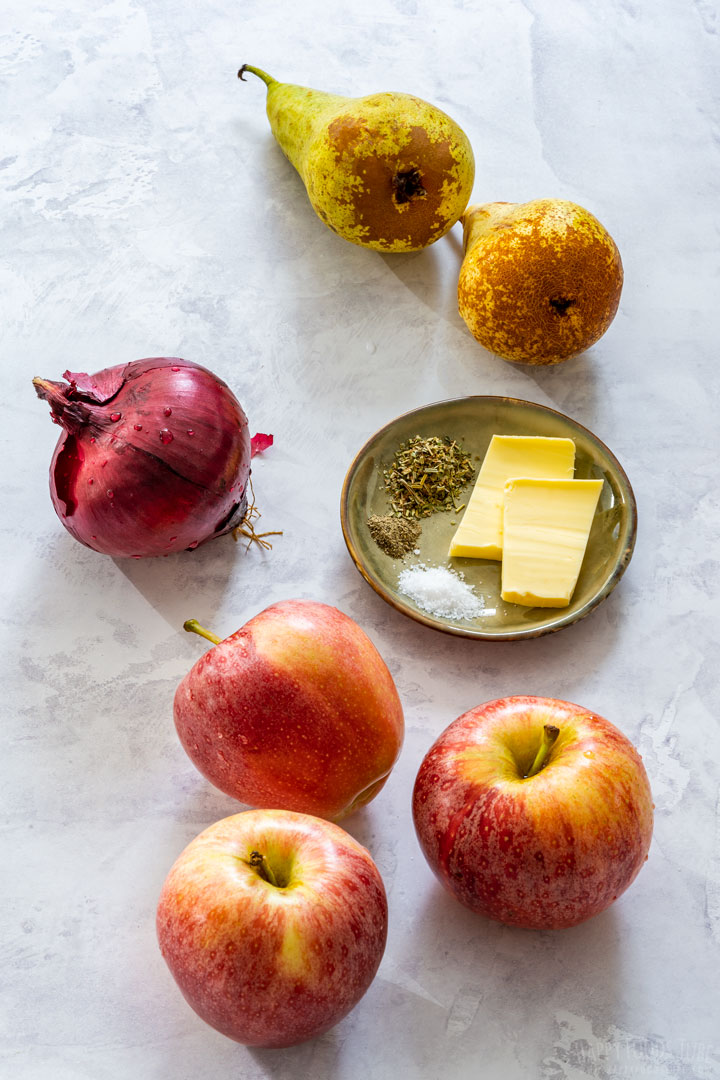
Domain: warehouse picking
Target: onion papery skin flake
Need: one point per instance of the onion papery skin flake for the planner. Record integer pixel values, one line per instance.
(154, 457)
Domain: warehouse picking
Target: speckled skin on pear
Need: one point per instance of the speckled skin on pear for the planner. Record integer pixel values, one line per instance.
(265, 965)
(540, 281)
(388, 171)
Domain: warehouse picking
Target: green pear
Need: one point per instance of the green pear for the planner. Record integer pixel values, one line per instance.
(388, 171)
(540, 281)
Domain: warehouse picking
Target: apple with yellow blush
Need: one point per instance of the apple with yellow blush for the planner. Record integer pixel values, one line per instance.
(273, 925)
(295, 711)
(533, 811)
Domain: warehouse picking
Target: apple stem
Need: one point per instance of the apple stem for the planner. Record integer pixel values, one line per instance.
(550, 734)
(259, 862)
(193, 627)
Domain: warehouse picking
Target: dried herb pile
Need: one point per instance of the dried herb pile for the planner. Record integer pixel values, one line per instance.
(427, 475)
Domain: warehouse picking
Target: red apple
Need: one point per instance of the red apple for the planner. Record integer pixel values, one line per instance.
(273, 925)
(533, 811)
(295, 711)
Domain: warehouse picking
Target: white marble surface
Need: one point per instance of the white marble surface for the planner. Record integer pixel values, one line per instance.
(146, 211)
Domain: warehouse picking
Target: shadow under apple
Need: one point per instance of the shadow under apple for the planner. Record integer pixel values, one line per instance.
(517, 978)
(389, 1015)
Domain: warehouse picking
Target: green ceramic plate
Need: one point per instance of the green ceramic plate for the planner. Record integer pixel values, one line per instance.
(472, 421)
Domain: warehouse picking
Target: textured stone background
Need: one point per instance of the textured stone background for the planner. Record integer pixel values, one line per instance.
(146, 210)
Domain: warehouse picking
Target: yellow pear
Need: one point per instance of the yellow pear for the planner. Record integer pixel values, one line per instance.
(388, 171)
(540, 281)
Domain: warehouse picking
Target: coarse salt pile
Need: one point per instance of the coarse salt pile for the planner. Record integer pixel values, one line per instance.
(440, 592)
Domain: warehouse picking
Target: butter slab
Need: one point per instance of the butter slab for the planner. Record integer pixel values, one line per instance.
(546, 528)
(480, 533)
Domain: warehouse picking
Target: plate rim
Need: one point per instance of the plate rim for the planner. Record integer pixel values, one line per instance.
(434, 622)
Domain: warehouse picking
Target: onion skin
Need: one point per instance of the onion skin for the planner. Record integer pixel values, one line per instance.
(154, 458)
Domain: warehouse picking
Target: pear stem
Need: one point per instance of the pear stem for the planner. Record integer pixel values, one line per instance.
(550, 734)
(193, 627)
(267, 79)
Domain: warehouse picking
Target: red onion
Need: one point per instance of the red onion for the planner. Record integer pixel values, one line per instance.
(154, 458)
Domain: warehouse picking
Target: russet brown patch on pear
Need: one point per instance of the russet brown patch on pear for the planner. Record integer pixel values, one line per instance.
(411, 187)
(345, 134)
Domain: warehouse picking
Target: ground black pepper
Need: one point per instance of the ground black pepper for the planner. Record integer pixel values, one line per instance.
(393, 535)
